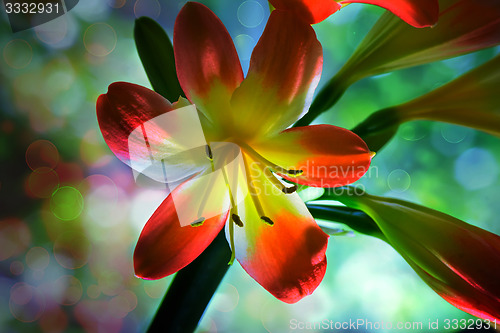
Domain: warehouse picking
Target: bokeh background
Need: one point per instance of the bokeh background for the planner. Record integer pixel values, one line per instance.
(70, 212)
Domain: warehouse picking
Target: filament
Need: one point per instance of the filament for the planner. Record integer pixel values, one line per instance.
(279, 185)
(275, 167)
(254, 196)
(234, 211)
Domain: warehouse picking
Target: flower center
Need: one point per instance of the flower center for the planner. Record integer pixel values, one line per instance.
(267, 168)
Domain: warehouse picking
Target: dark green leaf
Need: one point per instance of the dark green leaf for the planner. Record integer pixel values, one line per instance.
(157, 56)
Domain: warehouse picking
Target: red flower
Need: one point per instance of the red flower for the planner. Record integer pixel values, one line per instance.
(418, 13)
(270, 232)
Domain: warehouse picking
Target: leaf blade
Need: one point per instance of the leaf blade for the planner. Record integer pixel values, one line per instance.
(157, 56)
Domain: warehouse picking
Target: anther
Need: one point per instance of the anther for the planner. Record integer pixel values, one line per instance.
(209, 152)
(267, 220)
(237, 220)
(289, 190)
(295, 172)
(198, 222)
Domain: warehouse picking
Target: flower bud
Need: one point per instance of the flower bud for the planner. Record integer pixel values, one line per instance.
(470, 100)
(464, 26)
(459, 261)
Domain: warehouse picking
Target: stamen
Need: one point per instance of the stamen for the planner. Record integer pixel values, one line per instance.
(254, 197)
(251, 190)
(164, 171)
(237, 220)
(208, 188)
(295, 173)
(272, 178)
(289, 190)
(273, 166)
(207, 191)
(198, 222)
(208, 151)
(267, 220)
(231, 241)
(234, 212)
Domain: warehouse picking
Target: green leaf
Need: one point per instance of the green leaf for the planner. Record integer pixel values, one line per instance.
(157, 56)
(192, 288)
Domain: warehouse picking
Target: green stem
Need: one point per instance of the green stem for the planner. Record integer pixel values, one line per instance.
(192, 289)
(377, 122)
(353, 218)
(379, 128)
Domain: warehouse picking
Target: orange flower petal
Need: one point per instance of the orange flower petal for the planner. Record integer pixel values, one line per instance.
(329, 156)
(164, 246)
(311, 11)
(143, 132)
(205, 55)
(122, 109)
(287, 258)
(284, 71)
(418, 13)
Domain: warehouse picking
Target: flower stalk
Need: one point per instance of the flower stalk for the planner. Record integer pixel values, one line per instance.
(355, 219)
(192, 289)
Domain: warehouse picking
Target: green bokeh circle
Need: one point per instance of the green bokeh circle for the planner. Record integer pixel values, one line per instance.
(66, 203)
